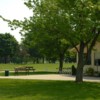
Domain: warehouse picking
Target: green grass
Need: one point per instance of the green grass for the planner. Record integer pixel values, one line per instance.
(24, 73)
(11, 89)
(40, 68)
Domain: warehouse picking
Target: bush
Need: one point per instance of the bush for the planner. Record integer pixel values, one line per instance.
(73, 70)
(90, 71)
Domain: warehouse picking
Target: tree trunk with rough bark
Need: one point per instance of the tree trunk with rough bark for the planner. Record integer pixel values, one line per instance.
(61, 63)
(79, 73)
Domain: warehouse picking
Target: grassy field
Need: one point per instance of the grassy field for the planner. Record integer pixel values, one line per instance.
(39, 68)
(11, 89)
(18, 89)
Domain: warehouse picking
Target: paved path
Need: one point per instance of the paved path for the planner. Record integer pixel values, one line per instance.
(52, 77)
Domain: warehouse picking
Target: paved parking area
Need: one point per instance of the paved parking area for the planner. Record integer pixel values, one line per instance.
(52, 77)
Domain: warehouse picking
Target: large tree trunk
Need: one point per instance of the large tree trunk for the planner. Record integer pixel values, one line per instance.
(61, 63)
(79, 73)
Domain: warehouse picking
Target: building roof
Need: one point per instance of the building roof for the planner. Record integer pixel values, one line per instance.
(95, 48)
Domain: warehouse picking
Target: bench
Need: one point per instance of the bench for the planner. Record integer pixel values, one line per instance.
(67, 70)
(24, 68)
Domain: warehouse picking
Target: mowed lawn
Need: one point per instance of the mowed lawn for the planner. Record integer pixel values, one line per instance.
(38, 67)
(18, 89)
(47, 68)
(11, 89)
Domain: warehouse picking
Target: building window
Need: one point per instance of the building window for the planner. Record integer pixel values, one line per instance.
(97, 62)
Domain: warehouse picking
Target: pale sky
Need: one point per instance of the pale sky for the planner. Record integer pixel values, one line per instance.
(12, 9)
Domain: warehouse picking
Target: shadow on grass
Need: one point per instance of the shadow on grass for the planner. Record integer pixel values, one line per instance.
(48, 90)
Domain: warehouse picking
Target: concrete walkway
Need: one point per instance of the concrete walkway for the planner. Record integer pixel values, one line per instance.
(52, 77)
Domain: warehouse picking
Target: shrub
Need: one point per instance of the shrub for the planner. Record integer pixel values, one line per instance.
(73, 70)
(90, 71)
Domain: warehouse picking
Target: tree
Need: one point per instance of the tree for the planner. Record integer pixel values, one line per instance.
(65, 22)
(50, 21)
(43, 28)
(8, 47)
(76, 20)
(85, 29)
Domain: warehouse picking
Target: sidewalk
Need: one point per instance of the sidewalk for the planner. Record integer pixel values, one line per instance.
(52, 77)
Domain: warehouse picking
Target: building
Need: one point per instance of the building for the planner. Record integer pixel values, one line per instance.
(95, 57)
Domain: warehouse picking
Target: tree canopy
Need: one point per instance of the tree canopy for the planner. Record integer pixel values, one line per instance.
(8, 47)
(59, 24)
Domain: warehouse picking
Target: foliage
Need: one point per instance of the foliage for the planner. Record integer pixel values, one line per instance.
(58, 23)
(8, 47)
(42, 36)
(86, 29)
(73, 21)
(90, 71)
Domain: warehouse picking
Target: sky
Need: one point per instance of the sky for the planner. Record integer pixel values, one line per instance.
(13, 9)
